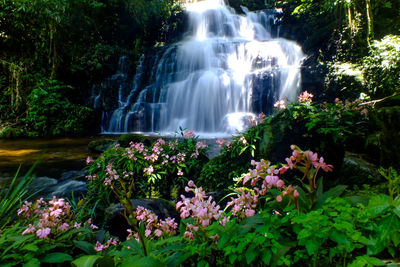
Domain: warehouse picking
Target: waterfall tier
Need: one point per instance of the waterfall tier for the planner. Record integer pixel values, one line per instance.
(227, 67)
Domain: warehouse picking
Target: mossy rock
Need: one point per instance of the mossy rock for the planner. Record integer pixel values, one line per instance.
(358, 171)
(388, 138)
(99, 146)
(279, 133)
(125, 139)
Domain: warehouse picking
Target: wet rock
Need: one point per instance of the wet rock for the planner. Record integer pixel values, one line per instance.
(43, 186)
(47, 187)
(67, 188)
(99, 146)
(116, 222)
(73, 175)
(357, 171)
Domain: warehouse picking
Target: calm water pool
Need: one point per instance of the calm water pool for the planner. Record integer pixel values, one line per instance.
(58, 155)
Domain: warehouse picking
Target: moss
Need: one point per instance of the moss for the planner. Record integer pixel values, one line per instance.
(100, 146)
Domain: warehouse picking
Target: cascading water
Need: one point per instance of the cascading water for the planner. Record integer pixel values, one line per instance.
(226, 69)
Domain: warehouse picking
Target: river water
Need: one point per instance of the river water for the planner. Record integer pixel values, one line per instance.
(56, 155)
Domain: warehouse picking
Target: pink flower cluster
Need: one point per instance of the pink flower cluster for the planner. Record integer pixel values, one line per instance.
(156, 157)
(204, 210)
(245, 204)
(255, 120)
(305, 160)
(101, 247)
(188, 134)
(155, 228)
(49, 218)
(280, 104)
(305, 97)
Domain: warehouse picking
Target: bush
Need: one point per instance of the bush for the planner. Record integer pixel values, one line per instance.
(382, 67)
(51, 113)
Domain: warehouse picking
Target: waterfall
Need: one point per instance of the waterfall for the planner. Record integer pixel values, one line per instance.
(228, 67)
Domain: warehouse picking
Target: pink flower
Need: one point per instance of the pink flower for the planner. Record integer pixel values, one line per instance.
(188, 134)
(305, 97)
(99, 246)
(296, 193)
(220, 142)
(43, 233)
(249, 212)
(148, 171)
(158, 232)
(180, 173)
(89, 160)
(280, 183)
(189, 235)
(191, 184)
(280, 104)
(77, 225)
(147, 233)
(201, 145)
(279, 198)
(63, 227)
(243, 140)
(29, 230)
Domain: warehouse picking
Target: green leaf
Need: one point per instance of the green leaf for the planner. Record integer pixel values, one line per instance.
(266, 256)
(30, 247)
(86, 261)
(331, 193)
(138, 261)
(56, 257)
(32, 263)
(365, 260)
(85, 246)
(312, 245)
(388, 228)
(251, 254)
(378, 204)
(338, 237)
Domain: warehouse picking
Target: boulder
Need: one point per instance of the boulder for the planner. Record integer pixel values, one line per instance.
(99, 146)
(116, 222)
(73, 175)
(357, 171)
(67, 188)
(42, 185)
(47, 187)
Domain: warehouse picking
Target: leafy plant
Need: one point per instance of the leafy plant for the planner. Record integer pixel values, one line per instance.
(14, 194)
(51, 113)
(50, 238)
(330, 233)
(382, 66)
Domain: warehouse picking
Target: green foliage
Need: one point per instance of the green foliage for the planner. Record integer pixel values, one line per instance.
(51, 113)
(18, 249)
(14, 194)
(382, 67)
(234, 160)
(259, 239)
(163, 172)
(329, 234)
(76, 42)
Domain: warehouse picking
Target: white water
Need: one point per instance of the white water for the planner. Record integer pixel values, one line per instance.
(214, 68)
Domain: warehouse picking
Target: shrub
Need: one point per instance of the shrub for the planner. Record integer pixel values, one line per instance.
(51, 113)
(382, 67)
